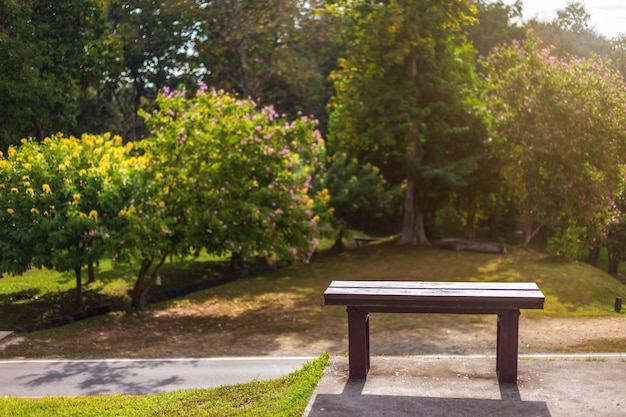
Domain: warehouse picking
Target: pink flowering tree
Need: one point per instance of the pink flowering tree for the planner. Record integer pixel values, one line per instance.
(222, 175)
(559, 125)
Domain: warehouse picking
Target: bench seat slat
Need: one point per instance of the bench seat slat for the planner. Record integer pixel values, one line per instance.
(418, 294)
(434, 285)
(428, 293)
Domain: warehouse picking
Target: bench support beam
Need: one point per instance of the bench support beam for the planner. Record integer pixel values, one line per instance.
(507, 346)
(358, 343)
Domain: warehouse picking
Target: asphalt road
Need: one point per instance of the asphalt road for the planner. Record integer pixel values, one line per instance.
(41, 378)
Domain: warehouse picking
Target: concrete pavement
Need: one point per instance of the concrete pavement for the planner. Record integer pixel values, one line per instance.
(40, 378)
(587, 385)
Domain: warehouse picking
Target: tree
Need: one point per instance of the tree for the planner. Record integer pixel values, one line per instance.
(495, 24)
(358, 195)
(60, 201)
(571, 34)
(49, 50)
(403, 98)
(273, 51)
(156, 39)
(573, 18)
(557, 123)
(224, 176)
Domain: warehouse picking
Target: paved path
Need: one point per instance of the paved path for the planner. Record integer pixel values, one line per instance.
(568, 386)
(39, 378)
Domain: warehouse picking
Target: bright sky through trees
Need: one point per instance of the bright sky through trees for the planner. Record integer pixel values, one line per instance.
(608, 17)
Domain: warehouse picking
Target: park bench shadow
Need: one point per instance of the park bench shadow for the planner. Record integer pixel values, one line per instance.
(352, 402)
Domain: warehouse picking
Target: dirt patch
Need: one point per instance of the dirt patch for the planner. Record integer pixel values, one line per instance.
(265, 327)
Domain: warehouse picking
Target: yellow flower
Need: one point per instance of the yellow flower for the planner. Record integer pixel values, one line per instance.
(11, 211)
(14, 190)
(34, 211)
(30, 192)
(93, 214)
(81, 214)
(122, 212)
(46, 189)
(11, 150)
(76, 197)
(82, 172)
(316, 218)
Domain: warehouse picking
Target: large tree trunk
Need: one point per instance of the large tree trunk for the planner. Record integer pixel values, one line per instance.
(594, 255)
(413, 223)
(91, 273)
(470, 225)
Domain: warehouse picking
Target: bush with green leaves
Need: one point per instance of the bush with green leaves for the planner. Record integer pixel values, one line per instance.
(59, 202)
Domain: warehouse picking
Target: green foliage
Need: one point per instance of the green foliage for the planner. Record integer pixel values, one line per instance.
(278, 52)
(359, 196)
(557, 124)
(228, 177)
(51, 53)
(286, 396)
(405, 98)
(59, 202)
(495, 24)
(567, 242)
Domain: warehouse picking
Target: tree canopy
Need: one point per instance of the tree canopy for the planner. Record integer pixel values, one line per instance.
(404, 98)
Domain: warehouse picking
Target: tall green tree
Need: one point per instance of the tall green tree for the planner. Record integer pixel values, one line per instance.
(157, 40)
(276, 52)
(403, 98)
(497, 23)
(48, 51)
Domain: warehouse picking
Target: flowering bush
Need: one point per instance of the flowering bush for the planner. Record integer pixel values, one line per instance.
(237, 176)
(58, 202)
(558, 123)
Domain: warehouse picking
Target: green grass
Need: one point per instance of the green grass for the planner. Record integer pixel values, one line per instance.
(50, 294)
(286, 396)
(572, 288)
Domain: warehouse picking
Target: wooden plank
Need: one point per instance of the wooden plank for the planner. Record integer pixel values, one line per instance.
(435, 285)
(420, 293)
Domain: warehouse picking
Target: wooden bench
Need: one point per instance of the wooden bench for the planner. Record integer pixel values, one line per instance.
(502, 298)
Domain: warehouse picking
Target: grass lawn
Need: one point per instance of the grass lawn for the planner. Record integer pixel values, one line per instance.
(286, 396)
(258, 314)
(41, 295)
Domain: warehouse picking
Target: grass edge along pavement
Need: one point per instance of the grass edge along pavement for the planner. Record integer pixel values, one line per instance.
(286, 396)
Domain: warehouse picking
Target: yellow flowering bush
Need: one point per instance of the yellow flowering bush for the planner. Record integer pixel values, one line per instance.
(63, 201)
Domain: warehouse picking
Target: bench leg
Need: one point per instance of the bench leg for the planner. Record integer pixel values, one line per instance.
(358, 343)
(507, 349)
